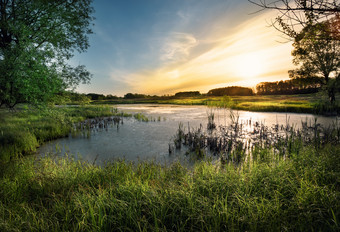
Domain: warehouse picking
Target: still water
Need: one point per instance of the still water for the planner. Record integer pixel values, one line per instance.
(134, 140)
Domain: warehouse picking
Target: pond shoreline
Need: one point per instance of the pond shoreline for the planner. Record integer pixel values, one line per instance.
(296, 192)
(303, 103)
(137, 141)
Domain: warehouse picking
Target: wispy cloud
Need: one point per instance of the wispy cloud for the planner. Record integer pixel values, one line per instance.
(177, 46)
(247, 56)
(196, 47)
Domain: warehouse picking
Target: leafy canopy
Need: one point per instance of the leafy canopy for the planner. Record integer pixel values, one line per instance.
(317, 52)
(37, 38)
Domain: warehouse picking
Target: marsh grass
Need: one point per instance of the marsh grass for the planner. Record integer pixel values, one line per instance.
(303, 103)
(49, 194)
(21, 132)
(273, 191)
(247, 140)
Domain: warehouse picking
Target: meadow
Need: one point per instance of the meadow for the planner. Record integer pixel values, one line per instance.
(292, 185)
(301, 103)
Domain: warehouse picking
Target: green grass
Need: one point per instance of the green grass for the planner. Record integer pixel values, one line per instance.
(303, 103)
(23, 131)
(297, 194)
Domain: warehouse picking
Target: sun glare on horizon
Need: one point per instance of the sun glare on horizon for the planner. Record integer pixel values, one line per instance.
(186, 57)
(249, 66)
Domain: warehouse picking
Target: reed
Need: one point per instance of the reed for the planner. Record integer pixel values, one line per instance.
(142, 118)
(268, 179)
(249, 141)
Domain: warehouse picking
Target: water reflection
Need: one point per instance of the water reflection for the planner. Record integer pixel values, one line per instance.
(135, 140)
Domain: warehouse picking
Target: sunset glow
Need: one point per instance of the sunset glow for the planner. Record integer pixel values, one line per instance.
(187, 48)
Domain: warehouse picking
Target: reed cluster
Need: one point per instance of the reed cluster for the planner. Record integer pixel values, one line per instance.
(250, 141)
(143, 118)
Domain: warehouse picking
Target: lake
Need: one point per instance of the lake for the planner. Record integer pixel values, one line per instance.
(137, 140)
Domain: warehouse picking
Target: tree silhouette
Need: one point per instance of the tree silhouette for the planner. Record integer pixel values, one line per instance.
(294, 15)
(231, 91)
(317, 51)
(314, 25)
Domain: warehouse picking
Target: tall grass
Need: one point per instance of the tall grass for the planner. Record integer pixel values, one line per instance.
(273, 192)
(247, 140)
(49, 194)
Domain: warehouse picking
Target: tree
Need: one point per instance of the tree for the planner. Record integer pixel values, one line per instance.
(37, 38)
(188, 94)
(314, 25)
(294, 15)
(318, 54)
(231, 91)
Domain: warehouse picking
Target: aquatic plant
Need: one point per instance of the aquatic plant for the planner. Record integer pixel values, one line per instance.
(244, 141)
(141, 117)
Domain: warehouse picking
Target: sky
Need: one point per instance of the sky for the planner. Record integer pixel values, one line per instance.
(161, 47)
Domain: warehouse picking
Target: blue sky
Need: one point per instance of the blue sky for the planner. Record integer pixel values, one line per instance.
(166, 46)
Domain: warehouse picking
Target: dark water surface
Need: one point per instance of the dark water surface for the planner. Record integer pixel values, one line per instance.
(135, 141)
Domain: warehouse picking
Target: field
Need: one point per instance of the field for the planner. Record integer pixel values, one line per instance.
(303, 103)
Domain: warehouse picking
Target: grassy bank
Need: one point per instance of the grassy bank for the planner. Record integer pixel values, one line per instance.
(24, 130)
(303, 103)
(298, 194)
(292, 190)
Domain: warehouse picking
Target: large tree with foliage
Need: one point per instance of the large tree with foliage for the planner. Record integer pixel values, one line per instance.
(37, 38)
(314, 26)
(317, 52)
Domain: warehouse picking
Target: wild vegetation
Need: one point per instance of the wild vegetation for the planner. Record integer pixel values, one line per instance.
(292, 184)
(298, 193)
(241, 141)
(302, 103)
(313, 26)
(263, 179)
(21, 132)
(188, 94)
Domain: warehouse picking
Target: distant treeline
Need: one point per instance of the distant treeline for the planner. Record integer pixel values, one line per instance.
(95, 96)
(231, 91)
(293, 86)
(188, 94)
